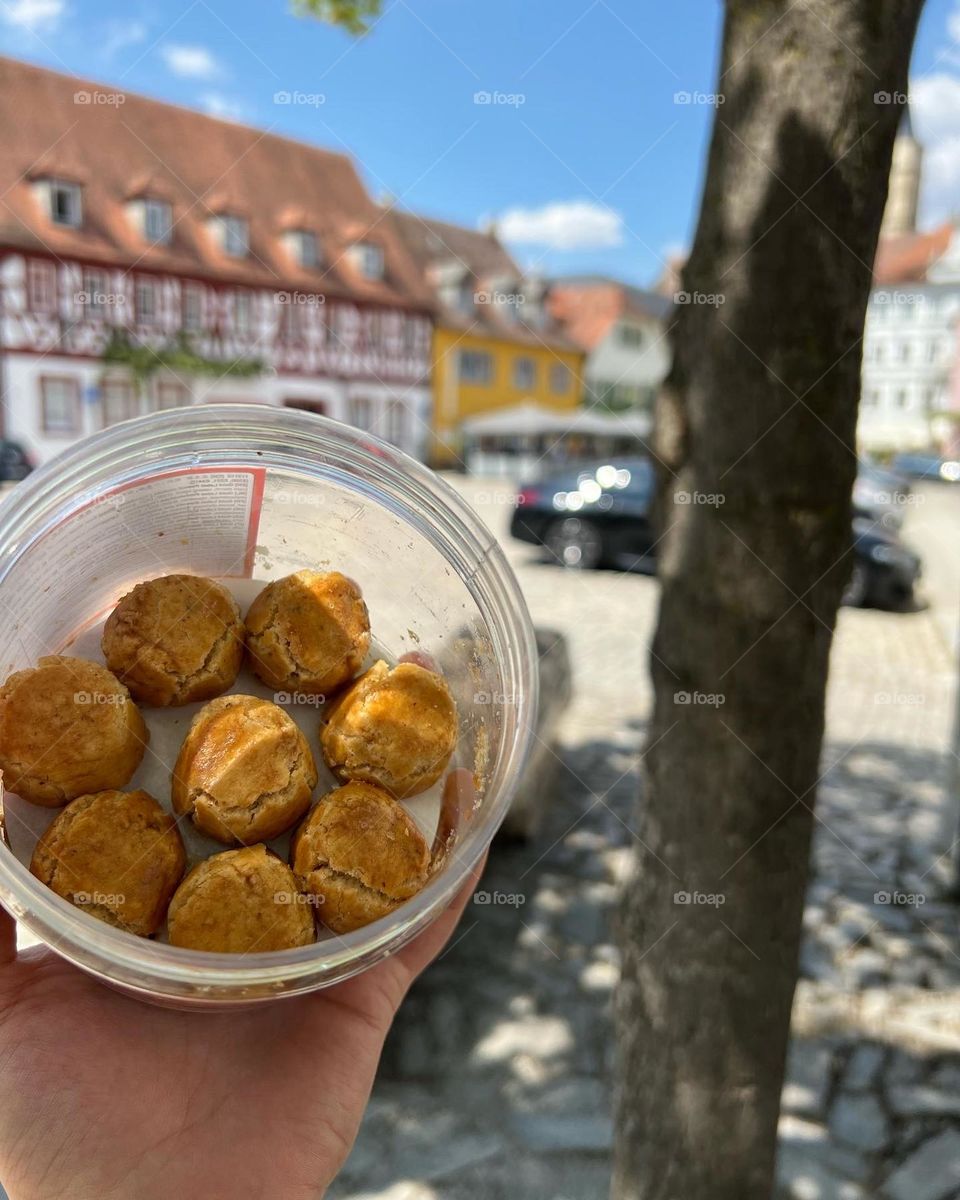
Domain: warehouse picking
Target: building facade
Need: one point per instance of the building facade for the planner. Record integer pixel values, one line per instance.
(152, 257)
(910, 335)
(495, 345)
(624, 332)
(910, 343)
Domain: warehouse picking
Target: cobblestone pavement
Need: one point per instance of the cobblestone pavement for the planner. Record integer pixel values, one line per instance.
(495, 1084)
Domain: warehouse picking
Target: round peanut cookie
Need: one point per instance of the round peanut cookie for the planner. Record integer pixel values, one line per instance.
(116, 855)
(245, 772)
(395, 727)
(241, 902)
(175, 640)
(308, 632)
(67, 728)
(361, 855)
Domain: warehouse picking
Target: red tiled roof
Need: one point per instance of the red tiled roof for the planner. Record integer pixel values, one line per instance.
(486, 265)
(589, 308)
(906, 258)
(126, 146)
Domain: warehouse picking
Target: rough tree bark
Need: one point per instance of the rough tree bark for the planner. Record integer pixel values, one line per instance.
(760, 409)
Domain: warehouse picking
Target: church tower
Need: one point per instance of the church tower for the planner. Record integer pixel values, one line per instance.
(900, 216)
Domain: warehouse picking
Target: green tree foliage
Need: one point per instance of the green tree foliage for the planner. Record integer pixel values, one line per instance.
(142, 361)
(355, 16)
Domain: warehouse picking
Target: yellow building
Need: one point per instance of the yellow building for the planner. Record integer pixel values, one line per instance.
(493, 345)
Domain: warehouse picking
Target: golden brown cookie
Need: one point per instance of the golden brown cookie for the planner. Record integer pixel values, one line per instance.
(308, 632)
(67, 727)
(361, 854)
(393, 727)
(175, 640)
(116, 855)
(245, 772)
(241, 902)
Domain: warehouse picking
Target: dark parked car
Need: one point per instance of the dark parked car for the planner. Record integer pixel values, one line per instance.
(927, 466)
(601, 516)
(14, 462)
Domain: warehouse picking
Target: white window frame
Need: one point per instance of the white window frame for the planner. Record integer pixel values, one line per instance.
(369, 259)
(242, 313)
(234, 235)
(70, 394)
(192, 292)
(147, 286)
(524, 360)
(300, 240)
(74, 193)
(161, 211)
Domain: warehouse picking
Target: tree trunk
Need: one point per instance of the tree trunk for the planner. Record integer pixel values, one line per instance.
(755, 432)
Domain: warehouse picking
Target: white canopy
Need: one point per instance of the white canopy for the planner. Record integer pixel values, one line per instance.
(531, 420)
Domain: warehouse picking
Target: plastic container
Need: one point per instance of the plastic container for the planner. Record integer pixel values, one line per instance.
(242, 492)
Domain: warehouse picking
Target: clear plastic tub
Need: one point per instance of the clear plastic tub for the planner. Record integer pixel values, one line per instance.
(247, 492)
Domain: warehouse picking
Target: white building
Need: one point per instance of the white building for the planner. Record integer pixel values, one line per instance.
(909, 349)
(910, 337)
(216, 262)
(624, 331)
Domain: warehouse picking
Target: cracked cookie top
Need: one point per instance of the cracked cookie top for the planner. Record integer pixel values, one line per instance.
(395, 727)
(245, 772)
(175, 640)
(67, 727)
(308, 632)
(361, 855)
(241, 902)
(116, 855)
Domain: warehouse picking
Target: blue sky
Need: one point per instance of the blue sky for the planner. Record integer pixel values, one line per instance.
(582, 152)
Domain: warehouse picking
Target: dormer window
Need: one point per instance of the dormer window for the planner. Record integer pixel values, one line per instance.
(234, 236)
(157, 221)
(66, 207)
(303, 245)
(368, 259)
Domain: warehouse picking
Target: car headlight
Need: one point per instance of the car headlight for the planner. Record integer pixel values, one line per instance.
(890, 556)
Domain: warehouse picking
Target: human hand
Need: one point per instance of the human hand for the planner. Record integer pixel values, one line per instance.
(106, 1098)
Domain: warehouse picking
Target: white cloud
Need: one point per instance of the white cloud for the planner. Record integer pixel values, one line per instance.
(219, 105)
(192, 62)
(33, 15)
(119, 35)
(935, 106)
(953, 24)
(563, 225)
